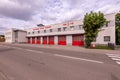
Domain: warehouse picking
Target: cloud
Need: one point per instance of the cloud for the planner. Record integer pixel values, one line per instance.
(27, 13)
(20, 9)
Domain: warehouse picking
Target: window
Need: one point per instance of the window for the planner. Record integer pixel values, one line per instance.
(64, 28)
(59, 29)
(38, 31)
(33, 32)
(80, 26)
(72, 27)
(106, 38)
(28, 32)
(50, 30)
(44, 31)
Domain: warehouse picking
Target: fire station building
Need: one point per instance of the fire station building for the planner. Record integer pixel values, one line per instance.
(70, 33)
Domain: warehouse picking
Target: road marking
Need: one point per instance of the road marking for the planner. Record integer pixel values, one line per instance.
(34, 51)
(115, 57)
(117, 62)
(76, 58)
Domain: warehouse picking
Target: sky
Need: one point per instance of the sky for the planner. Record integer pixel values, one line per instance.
(23, 14)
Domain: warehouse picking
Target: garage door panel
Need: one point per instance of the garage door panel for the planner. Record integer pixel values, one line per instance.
(62, 40)
(78, 40)
(45, 40)
(28, 40)
(51, 40)
(33, 40)
(38, 40)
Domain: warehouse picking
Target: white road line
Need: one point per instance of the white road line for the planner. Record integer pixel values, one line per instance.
(117, 62)
(116, 59)
(70, 57)
(34, 51)
(113, 54)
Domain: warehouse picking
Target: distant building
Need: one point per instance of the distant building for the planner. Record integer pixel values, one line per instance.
(15, 36)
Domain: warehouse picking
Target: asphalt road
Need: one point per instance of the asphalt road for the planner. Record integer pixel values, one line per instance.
(26, 62)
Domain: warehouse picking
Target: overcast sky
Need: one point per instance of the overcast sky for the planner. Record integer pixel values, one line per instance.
(27, 13)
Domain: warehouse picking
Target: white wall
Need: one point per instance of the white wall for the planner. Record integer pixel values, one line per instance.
(22, 36)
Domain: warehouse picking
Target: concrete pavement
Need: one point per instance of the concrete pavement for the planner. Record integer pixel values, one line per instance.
(31, 62)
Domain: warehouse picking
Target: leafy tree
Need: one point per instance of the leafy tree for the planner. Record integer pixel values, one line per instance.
(117, 23)
(2, 38)
(92, 23)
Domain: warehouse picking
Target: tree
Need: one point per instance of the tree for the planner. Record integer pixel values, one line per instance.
(92, 23)
(2, 38)
(117, 25)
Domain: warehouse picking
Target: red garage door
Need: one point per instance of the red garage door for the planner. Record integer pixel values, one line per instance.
(38, 40)
(78, 40)
(45, 40)
(33, 40)
(29, 40)
(51, 40)
(62, 40)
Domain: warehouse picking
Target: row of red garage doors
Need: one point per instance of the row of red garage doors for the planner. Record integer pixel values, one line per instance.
(77, 40)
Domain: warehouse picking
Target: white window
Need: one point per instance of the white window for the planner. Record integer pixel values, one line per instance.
(51, 30)
(59, 29)
(80, 26)
(44, 31)
(71, 27)
(106, 38)
(64, 28)
(38, 31)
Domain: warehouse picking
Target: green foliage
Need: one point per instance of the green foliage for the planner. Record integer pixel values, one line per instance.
(117, 23)
(92, 23)
(2, 38)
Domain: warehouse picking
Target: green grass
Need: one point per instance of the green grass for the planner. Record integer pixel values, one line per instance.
(117, 46)
(102, 47)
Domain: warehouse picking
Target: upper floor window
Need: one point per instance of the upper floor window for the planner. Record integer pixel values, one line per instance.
(59, 29)
(38, 31)
(51, 30)
(64, 28)
(28, 32)
(106, 38)
(71, 27)
(80, 26)
(44, 31)
(33, 32)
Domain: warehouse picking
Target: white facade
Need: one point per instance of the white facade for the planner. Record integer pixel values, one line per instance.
(71, 28)
(67, 33)
(15, 36)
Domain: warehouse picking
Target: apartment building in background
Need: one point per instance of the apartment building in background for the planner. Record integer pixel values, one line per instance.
(15, 36)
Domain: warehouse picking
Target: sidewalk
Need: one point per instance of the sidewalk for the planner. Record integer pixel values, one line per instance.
(75, 48)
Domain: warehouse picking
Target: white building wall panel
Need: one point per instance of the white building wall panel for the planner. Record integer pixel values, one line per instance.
(69, 39)
(56, 40)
